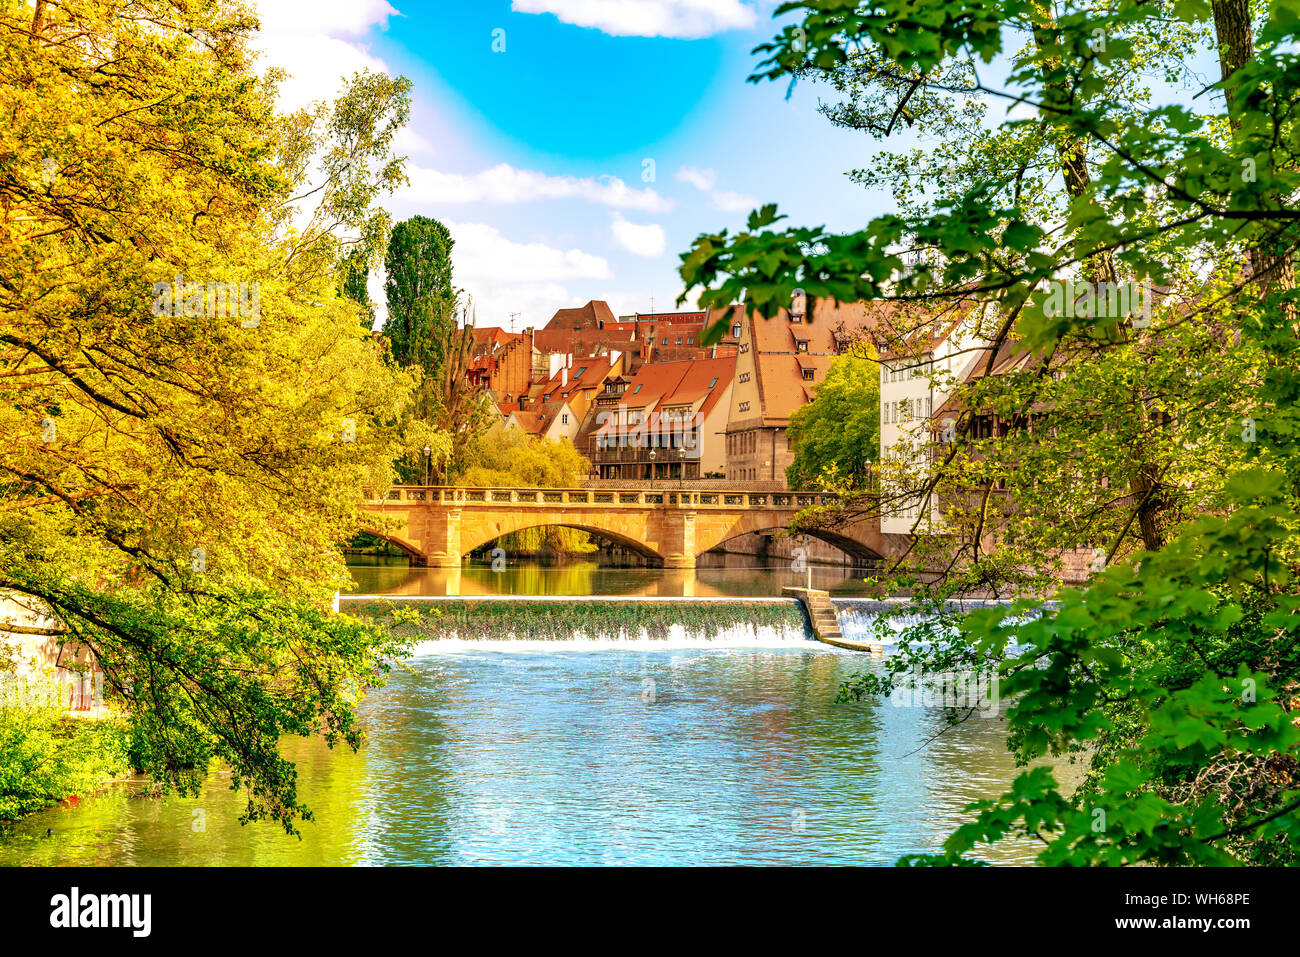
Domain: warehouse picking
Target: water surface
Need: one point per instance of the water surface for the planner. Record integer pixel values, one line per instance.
(674, 756)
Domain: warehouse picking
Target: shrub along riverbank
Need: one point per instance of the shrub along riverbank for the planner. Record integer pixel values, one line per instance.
(47, 756)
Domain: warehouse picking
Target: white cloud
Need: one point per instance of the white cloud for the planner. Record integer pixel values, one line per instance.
(504, 183)
(648, 240)
(314, 41)
(721, 199)
(349, 18)
(730, 202)
(686, 19)
(702, 179)
(503, 276)
(535, 302)
(407, 141)
(481, 253)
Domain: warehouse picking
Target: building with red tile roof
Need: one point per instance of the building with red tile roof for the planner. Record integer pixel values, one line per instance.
(779, 363)
(665, 421)
(501, 361)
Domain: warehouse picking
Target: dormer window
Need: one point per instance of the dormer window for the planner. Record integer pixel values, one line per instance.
(801, 345)
(735, 330)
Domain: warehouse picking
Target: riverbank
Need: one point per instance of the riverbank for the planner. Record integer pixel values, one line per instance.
(48, 756)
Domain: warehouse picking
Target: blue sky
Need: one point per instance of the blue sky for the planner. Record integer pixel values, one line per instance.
(576, 147)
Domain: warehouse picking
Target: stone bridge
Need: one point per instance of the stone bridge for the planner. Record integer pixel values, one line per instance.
(439, 526)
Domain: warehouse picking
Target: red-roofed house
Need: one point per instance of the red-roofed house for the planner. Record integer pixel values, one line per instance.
(778, 365)
(663, 422)
(501, 361)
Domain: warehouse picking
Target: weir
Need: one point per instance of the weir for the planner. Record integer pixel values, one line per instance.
(881, 620)
(447, 622)
(799, 619)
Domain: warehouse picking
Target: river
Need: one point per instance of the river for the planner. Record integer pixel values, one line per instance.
(694, 748)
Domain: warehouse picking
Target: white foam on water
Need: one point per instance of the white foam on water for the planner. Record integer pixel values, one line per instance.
(678, 637)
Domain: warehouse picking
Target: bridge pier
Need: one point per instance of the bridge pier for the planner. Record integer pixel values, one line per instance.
(678, 547)
(441, 537)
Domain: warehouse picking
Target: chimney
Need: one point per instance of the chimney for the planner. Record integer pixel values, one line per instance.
(564, 377)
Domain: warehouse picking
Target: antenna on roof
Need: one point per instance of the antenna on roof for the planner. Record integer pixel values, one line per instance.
(652, 304)
(513, 317)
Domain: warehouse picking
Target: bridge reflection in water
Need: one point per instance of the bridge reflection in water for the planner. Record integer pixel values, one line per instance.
(438, 526)
(717, 576)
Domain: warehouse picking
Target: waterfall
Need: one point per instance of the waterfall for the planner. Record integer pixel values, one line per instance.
(883, 620)
(442, 624)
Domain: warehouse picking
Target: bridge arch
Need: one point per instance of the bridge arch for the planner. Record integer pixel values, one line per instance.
(472, 542)
(851, 547)
(409, 550)
(860, 542)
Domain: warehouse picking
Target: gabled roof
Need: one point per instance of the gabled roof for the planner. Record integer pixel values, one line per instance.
(689, 382)
(782, 385)
(591, 316)
(586, 373)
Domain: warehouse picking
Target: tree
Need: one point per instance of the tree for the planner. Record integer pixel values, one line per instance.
(353, 273)
(836, 436)
(421, 301)
(189, 413)
(508, 457)
(1174, 669)
(431, 331)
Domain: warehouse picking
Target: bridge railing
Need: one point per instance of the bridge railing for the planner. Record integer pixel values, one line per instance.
(623, 497)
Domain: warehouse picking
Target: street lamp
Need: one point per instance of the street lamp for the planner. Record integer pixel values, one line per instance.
(652, 468)
(428, 462)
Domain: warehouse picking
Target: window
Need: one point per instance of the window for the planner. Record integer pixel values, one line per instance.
(679, 340)
(808, 374)
(801, 345)
(735, 330)
(665, 342)
(714, 382)
(564, 419)
(690, 340)
(637, 389)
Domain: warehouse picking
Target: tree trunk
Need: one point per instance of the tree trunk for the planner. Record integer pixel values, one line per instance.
(1236, 39)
